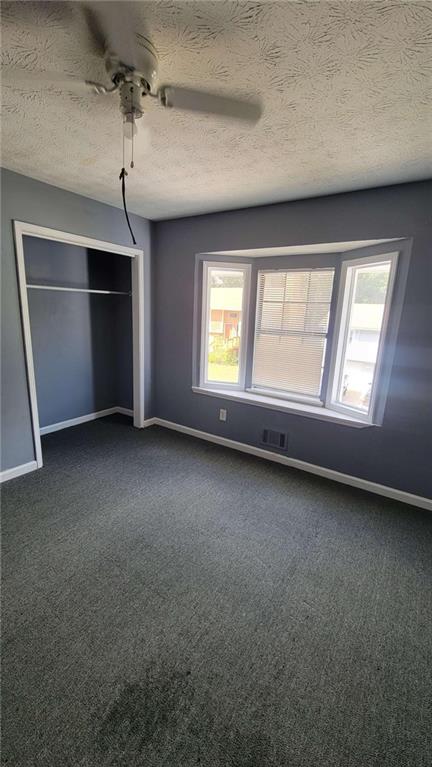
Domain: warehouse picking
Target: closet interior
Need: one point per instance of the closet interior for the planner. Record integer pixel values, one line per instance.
(80, 307)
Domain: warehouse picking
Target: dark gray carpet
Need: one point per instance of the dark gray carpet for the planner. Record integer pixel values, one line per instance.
(170, 602)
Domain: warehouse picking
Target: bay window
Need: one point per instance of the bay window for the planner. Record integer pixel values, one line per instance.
(317, 338)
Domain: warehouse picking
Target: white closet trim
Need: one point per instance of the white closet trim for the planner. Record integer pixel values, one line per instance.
(44, 233)
(22, 229)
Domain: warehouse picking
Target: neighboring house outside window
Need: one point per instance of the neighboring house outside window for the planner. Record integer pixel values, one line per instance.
(224, 294)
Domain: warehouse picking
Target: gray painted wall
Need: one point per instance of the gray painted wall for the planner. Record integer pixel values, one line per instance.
(397, 453)
(82, 343)
(25, 199)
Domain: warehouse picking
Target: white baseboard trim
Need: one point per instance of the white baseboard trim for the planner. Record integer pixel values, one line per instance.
(83, 419)
(149, 422)
(124, 411)
(18, 471)
(295, 463)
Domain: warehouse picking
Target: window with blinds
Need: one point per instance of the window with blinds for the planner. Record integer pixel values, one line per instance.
(292, 318)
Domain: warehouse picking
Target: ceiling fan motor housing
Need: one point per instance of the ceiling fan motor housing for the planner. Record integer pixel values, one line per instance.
(131, 92)
(134, 82)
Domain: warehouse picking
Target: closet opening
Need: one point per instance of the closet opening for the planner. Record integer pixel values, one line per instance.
(82, 305)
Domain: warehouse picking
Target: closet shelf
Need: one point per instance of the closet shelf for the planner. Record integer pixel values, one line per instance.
(80, 290)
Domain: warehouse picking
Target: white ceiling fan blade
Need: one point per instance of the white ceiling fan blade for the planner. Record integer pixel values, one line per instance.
(210, 103)
(34, 80)
(113, 25)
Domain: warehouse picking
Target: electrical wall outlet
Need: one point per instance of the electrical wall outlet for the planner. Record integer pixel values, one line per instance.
(222, 414)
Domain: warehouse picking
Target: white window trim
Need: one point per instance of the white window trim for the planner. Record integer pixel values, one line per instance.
(285, 406)
(340, 335)
(205, 319)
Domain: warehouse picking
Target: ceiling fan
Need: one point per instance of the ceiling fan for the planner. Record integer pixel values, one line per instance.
(131, 65)
(132, 69)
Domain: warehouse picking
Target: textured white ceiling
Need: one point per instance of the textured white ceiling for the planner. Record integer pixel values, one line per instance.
(346, 88)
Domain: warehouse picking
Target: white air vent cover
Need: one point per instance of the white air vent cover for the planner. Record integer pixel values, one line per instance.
(275, 439)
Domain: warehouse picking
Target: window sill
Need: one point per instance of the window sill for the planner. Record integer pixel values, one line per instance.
(285, 406)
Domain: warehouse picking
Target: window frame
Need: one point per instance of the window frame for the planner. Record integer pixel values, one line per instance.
(233, 266)
(398, 250)
(341, 332)
(319, 399)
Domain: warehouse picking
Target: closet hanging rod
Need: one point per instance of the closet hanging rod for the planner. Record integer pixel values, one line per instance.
(80, 290)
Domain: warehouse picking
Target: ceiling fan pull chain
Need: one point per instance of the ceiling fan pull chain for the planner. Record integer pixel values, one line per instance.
(122, 178)
(132, 152)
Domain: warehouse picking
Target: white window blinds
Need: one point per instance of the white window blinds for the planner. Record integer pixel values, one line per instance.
(292, 319)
